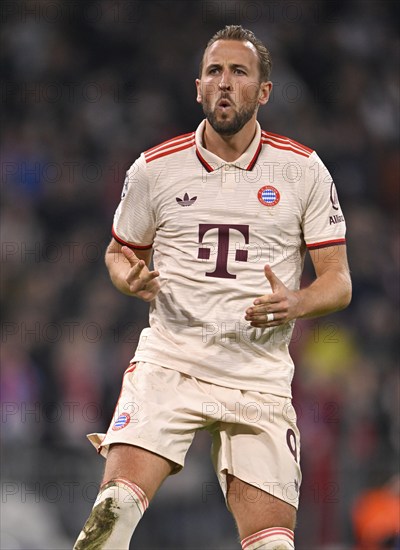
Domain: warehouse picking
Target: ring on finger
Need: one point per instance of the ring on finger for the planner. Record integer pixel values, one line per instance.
(270, 317)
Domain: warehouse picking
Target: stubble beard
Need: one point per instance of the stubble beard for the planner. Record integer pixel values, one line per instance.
(229, 127)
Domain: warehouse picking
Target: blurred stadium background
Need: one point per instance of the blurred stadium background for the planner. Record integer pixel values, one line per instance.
(86, 87)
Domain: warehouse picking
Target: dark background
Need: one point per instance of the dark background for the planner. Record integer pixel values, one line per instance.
(88, 86)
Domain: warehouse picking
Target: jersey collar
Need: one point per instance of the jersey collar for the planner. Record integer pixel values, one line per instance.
(212, 162)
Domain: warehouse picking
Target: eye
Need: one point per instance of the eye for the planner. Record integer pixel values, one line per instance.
(213, 70)
(239, 71)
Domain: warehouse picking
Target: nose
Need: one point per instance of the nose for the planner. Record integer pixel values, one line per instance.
(224, 83)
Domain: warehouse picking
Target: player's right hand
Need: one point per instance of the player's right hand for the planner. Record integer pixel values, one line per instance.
(141, 281)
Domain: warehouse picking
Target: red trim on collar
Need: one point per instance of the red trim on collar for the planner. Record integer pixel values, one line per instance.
(254, 159)
(204, 162)
(248, 168)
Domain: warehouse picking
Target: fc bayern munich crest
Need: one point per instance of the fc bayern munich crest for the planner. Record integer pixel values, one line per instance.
(122, 421)
(268, 195)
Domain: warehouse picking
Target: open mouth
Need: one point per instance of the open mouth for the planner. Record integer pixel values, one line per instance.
(224, 103)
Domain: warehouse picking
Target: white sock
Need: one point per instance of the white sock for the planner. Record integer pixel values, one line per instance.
(118, 509)
(275, 538)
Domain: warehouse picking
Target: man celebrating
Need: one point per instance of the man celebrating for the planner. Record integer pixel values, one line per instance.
(229, 212)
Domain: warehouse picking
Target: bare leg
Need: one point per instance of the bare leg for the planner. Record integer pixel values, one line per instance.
(256, 511)
(132, 477)
(143, 467)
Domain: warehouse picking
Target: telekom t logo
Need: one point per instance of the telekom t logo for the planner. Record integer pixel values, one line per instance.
(221, 268)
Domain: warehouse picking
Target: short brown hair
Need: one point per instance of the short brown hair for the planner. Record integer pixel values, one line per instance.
(237, 32)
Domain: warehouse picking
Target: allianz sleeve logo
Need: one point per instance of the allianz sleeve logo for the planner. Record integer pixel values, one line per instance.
(337, 218)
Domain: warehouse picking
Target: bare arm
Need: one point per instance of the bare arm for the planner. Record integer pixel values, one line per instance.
(129, 271)
(331, 291)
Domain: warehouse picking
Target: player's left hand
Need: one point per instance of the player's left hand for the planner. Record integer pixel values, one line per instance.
(279, 305)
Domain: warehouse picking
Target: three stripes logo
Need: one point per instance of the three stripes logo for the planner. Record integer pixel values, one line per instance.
(186, 201)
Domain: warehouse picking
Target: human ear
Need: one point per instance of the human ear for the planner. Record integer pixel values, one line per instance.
(265, 92)
(199, 98)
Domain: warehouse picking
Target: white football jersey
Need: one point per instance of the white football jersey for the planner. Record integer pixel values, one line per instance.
(213, 226)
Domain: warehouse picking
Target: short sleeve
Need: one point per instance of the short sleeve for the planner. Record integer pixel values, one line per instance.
(323, 219)
(134, 220)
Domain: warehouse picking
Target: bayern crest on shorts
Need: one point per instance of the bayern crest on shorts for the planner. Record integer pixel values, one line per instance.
(122, 421)
(268, 195)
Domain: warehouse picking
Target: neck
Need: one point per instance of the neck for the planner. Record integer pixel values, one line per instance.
(229, 148)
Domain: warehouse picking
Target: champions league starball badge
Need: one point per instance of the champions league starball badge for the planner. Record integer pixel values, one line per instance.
(268, 195)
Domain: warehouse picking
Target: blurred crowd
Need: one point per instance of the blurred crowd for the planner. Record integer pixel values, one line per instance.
(86, 87)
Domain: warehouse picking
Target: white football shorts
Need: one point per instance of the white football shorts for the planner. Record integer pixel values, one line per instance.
(255, 437)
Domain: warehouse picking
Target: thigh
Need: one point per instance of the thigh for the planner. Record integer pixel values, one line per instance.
(254, 509)
(260, 446)
(159, 410)
(148, 470)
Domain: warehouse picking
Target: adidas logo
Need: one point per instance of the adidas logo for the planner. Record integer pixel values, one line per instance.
(186, 201)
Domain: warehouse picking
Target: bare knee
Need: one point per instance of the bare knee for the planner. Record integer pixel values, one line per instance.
(148, 470)
(254, 509)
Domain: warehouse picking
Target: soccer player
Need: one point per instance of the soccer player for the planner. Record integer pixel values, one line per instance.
(227, 213)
